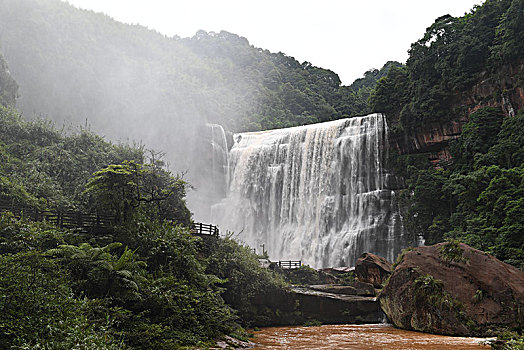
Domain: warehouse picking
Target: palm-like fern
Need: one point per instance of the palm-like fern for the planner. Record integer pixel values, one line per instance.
(99, 273)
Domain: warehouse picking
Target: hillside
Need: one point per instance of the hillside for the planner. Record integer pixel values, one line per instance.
(132, 84)
(457, 135)
(143, 282)
(459, 102)
(129, 82)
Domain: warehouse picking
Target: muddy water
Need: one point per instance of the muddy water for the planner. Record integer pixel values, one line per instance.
(356, 337)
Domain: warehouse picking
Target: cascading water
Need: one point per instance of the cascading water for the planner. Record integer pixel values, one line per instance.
(211, 171)
(316, 193)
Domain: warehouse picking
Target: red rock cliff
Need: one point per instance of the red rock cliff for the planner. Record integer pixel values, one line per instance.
(503, 89)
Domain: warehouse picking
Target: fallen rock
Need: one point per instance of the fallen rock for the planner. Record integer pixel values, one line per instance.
(233, 343)
(334, 288)
(338, 270)
(453, 289)
(355, 288)
(330, 308)
(371, 268)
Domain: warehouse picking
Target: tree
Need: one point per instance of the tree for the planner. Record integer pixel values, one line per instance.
(124, 189)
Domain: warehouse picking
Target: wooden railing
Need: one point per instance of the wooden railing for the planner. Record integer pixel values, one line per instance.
(289, 264)
(201, 229)
(68, 219)
(84, 222)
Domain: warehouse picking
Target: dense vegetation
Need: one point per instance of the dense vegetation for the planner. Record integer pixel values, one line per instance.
(454, 54)
(479, 198)
(146, 283)
(128, 82)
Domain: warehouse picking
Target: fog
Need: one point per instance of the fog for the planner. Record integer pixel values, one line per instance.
(124, 82)
(134, 85)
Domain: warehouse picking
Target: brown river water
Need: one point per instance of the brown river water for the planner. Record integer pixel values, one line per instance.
(375, 336)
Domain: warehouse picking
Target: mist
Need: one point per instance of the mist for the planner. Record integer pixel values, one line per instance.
(134, 85)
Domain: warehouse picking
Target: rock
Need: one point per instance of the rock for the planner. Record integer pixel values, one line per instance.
(238, 344)
(335, 289)
(364, 288)
(332, 308)
(371, 268)
(232, 343)
(463, 292)
(338, 270)
(355, 288)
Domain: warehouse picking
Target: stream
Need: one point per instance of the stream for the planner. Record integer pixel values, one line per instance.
(370, 336)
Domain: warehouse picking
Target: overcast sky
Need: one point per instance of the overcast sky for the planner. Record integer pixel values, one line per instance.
(346, 36)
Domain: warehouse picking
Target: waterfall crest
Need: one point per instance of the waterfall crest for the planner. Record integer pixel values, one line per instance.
(316, 193)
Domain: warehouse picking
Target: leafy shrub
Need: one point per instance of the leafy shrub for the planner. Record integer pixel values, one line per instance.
(452, 252)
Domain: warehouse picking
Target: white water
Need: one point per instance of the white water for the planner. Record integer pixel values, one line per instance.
(315, 193)
(210, 172)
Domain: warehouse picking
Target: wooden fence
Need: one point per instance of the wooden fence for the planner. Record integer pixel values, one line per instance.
(201, 229)
(290, 264)
(89, 223)
(92, 222)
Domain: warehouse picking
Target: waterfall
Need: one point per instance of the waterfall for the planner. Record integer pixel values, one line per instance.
(210, 171)
(316, 193)
(220, 157)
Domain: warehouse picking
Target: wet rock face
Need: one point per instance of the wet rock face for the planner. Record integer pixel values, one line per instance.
(465, 292)
(371, 268)
(500, 89)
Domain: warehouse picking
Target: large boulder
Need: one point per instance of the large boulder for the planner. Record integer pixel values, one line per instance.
(453, 289)
(371, 268)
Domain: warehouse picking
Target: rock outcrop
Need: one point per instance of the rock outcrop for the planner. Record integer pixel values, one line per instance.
(502, 89)
(336, 308)
(371, 268)
(327, 304)
(453, 289)
(356, 288)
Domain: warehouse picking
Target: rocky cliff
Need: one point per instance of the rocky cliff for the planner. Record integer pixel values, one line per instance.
(503, 89)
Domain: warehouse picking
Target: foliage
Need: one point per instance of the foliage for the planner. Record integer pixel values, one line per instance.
(39, 309)
(107, 295)
(478, 296)
(478, 200)
(454, 54)
(510, 341)
(479, 134)
(122, 189)
(248, 288)
(143, 284)
(391, 92)
(430, 291)
(451, 251)
(46, 168)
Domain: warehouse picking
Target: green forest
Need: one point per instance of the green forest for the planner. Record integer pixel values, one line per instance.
(478, 196)
(146, 282)
(122, 79)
